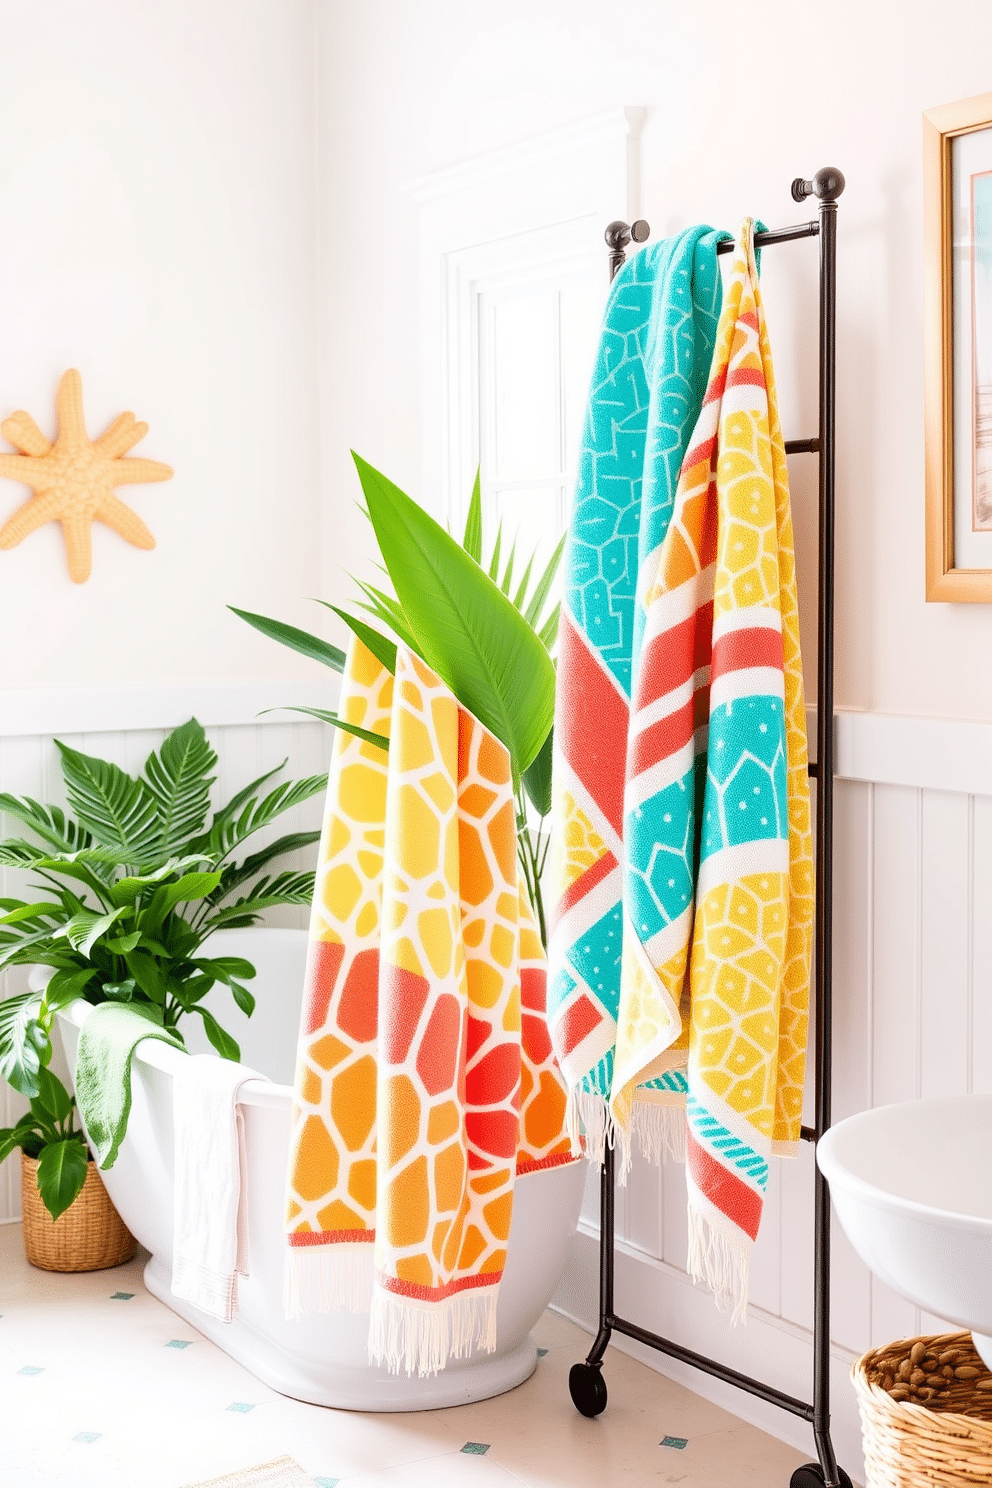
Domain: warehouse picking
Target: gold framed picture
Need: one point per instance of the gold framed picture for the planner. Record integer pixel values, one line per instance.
(957, 181)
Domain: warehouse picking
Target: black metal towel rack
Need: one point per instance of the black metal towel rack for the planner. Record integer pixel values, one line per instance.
(586, 1384)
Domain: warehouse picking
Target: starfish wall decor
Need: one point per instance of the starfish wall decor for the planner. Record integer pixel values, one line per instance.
(73, 479)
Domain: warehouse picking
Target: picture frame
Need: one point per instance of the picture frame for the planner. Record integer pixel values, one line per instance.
(957, 182)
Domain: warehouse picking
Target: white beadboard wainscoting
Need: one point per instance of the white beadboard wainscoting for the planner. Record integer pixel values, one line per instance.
(912, 1010)
(125, 727)
(912, 1017)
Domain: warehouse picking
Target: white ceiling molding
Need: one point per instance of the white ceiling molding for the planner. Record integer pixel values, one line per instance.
(538, 155)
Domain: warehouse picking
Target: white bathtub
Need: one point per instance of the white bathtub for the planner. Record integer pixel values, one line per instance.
(322, 1359)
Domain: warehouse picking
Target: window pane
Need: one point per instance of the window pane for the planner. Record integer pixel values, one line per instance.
(532, 517)
(525, 375)
(581, 308)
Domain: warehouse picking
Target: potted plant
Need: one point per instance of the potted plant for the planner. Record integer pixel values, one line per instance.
(69, 1222)
(131, 884)
(482, 630)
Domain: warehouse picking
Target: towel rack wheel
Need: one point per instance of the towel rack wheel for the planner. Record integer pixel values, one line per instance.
(810, 1475)
(587, 1388)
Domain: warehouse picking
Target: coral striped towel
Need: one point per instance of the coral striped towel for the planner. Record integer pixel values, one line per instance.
(717, 776)
(647, 387)
(426, 1080)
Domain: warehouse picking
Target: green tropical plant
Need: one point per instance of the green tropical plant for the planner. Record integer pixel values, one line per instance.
(133, 883)
(48, 1131)
(483, 630)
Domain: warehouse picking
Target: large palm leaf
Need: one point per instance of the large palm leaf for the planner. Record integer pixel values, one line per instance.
(179, 778)
(120, 813)
(268, 893)
(382, 648)
(236, 874)
(48, 822)
(461, 613)
(23, 1041)
(389, 612)
(470, 632)
(336, 721)
(229, 832)
(297, 640)
(537, 776)
(472, 541)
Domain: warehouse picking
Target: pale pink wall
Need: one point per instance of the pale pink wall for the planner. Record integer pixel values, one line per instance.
(740, 100)
(158, 231)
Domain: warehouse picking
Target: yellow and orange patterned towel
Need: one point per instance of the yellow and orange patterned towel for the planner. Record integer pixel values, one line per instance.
(425, 1080)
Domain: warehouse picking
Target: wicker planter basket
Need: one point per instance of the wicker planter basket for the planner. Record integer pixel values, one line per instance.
(926, 1413)
(89, 1236)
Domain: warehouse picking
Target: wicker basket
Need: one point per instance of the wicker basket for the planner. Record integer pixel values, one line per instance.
(926, 1413)
(89, 1236)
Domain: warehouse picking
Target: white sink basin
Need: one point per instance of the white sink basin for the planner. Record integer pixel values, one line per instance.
(912, 1187)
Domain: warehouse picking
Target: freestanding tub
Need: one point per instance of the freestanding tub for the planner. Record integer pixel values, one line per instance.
(322, 1359)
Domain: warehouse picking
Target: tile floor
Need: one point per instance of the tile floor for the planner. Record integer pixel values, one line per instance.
(104, 1385)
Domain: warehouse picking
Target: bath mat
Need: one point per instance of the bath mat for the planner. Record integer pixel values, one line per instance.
(283, 1472)
(717, 776)
(426, 1080)
(659, 330)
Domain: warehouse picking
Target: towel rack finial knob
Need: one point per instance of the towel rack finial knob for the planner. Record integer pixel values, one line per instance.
(619, 234)
(827, 185)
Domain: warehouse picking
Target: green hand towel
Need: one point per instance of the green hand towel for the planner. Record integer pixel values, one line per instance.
(103, 1072)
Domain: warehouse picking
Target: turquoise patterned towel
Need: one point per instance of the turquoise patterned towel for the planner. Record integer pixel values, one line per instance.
(654, 358)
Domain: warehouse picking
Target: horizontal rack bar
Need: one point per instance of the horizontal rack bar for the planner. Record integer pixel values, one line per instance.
(802, 446)
(777, 235)
(711, 1366)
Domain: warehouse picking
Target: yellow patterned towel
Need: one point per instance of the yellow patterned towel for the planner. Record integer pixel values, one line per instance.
(717, 816)
(426, 1080)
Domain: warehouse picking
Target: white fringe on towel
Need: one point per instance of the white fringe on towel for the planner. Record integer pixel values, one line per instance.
(327, 1278)
(423, 1336)
(718, 1256)
(660, 1128)
(588, 1113)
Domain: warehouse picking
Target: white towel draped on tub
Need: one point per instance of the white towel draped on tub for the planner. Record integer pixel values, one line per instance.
(210, 1241)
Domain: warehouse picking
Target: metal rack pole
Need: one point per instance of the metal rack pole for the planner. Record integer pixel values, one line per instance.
(829, 190)
(586, 1384)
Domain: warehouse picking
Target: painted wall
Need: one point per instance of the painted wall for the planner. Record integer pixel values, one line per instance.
(157, 188)
(733, 116)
